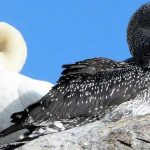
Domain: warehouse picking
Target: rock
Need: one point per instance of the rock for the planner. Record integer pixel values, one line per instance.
(126, 134)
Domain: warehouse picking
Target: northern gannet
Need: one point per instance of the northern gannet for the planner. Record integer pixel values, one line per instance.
(89, 90)
(16, 90)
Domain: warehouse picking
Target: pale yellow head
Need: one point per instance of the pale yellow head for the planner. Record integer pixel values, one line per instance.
(13, 50)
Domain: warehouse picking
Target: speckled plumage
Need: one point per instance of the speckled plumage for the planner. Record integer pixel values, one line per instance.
(91, 89)
(138, 35)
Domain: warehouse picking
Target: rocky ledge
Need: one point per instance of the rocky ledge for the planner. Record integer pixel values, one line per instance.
(126, 134)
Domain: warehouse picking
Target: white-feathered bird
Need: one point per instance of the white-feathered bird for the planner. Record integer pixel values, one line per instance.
(16, 91)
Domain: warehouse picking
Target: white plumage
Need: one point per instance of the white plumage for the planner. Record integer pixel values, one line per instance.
(13, 50)
(16, 91)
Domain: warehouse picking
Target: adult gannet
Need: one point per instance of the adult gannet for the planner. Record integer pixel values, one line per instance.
(16, 90)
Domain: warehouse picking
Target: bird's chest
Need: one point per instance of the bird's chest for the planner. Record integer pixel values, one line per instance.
(140, 105)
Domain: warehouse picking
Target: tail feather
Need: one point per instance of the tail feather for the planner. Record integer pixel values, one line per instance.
(18, 143)
(13, 128)
(11, 146)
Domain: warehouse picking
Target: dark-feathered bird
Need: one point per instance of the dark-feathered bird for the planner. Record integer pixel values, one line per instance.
(90, 89)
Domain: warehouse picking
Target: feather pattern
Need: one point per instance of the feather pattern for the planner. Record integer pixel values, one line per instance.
(91, 89)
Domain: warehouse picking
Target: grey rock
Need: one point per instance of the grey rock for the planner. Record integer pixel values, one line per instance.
(127, 134)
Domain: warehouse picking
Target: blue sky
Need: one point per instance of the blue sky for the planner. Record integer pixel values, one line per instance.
(64, 31)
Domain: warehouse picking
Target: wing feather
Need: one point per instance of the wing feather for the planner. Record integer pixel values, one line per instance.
(85, 94)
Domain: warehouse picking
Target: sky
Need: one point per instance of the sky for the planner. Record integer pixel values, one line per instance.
(61, 32)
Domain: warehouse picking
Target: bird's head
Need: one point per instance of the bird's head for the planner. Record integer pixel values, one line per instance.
(138, 35)
(13, 48)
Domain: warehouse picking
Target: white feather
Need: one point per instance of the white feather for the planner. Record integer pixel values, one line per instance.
(13, 50)
(16, 90)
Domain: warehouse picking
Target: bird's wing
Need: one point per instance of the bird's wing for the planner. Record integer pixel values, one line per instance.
(83, 95)
(91, 66)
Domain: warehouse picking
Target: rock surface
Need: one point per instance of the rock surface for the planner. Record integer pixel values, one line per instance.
(126, 134)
